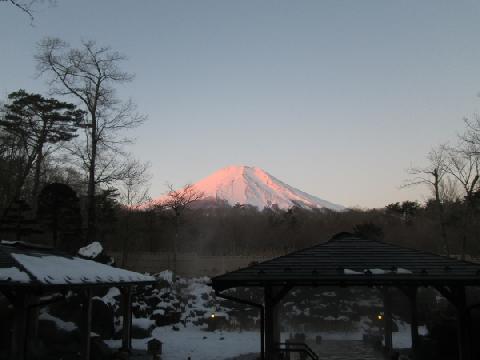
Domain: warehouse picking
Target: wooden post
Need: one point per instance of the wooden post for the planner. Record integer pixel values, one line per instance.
(32, 329)
(127, 319)
(262, 333)
(273, 295)
(412, 295)
(20, 326)
(269, 324)
(387, 305)
(458, 297)
(87, 324)
(463, 324)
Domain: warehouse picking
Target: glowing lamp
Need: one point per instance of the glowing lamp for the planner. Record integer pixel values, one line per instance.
(212, 316)
(380, 317)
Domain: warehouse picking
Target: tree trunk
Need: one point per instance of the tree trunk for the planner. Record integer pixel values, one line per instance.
(36, 178)
(91, 200)
(126, 238)
(441, 217)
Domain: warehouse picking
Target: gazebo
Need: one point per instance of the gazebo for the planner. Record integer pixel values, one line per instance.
(32, 276)
(349, 260)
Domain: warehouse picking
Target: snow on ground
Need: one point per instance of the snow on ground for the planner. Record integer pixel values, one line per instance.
(402, 339)
(198, 344)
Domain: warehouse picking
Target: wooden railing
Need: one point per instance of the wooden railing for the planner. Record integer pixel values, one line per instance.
(294, 347)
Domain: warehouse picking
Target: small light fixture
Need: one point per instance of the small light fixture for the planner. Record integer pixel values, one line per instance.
(380, 317)
(212, 316)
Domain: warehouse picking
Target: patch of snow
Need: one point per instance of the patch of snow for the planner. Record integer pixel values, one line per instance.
(8, 242)
(402, 338)
(109, 297)
(403, 271)
(14, 274)
(377, 271)
(91, 251)
(199, 345)
(351, 272)
(143, 323)
(61, 324)
(166, 275)
(158, 312)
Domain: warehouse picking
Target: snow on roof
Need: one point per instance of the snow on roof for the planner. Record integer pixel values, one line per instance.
(14, 274)
(23, 265)
(91, 251)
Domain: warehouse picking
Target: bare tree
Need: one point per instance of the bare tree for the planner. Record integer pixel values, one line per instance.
(133, 194)
(434, 176)
(26, 6)
(134, 185)
(471, 136)
(177, 201)
(89, 74)
(463, 165)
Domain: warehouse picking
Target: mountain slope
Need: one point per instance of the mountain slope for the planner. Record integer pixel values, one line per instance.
(254, 186)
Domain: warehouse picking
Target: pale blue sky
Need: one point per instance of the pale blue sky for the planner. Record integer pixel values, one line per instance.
(336, 98)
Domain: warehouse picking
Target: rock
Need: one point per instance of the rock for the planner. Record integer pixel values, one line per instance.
(167, 318)
(102, 319)
(152, 301)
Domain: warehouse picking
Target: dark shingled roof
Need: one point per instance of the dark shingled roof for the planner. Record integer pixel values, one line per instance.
(347, 259)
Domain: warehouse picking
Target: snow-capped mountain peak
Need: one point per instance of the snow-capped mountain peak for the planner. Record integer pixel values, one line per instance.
(254, 186)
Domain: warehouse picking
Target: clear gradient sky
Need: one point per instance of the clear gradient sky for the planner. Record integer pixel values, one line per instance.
(337, 98)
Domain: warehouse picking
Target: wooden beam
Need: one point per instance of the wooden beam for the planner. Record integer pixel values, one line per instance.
(87, 324)
(412, 296)
(127, 319)
(463, 325)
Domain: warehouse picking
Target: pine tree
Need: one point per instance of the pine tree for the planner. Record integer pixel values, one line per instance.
(36, 123)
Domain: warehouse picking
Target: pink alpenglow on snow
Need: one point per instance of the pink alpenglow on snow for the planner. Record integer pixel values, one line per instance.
(254, 186)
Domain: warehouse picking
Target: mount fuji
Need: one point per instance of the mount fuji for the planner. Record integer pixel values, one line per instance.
(254, 186)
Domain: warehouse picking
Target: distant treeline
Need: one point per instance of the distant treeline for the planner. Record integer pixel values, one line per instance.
(246, 230)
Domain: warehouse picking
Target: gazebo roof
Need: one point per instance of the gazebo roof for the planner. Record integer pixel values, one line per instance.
(347, 259)
(28, 265)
